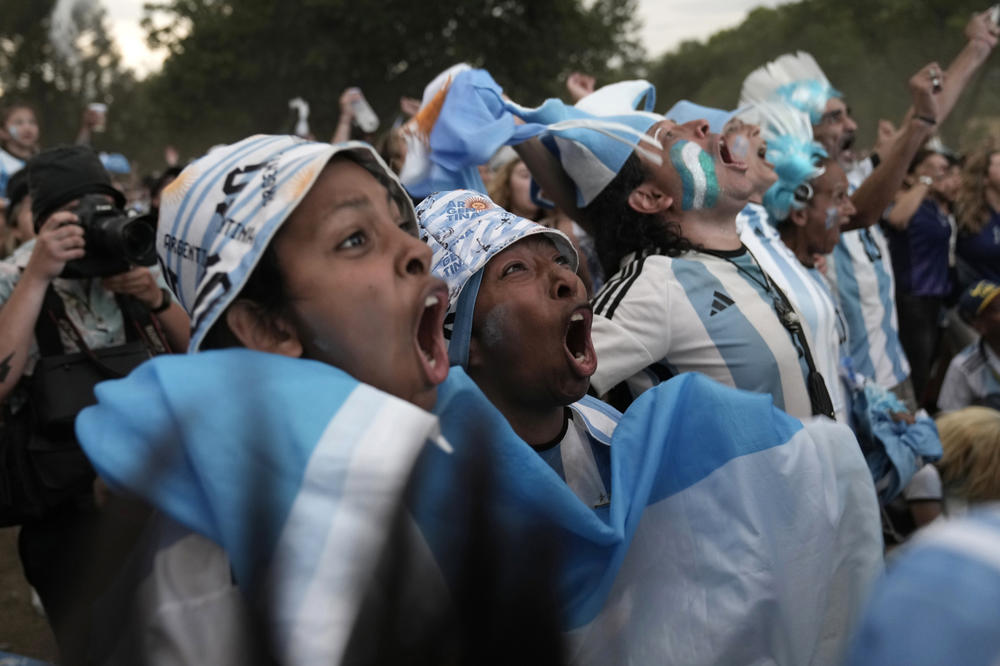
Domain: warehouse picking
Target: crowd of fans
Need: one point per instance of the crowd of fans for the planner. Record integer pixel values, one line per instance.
(579, 383)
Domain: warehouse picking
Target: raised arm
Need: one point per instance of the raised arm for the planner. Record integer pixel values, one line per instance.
(553, 180)
(875, 194)
(982, 35)
(59, 240)
(929, 110)
(907, 203)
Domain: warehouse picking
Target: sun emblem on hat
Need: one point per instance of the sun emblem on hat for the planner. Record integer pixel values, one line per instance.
(478, 204)
(175, 191)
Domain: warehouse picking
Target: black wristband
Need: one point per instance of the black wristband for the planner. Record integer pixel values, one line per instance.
(165, 303)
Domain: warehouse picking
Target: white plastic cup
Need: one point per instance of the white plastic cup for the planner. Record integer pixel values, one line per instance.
(101, 111)
(364, 114)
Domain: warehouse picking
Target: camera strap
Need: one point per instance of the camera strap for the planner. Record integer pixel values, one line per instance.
(140, 326)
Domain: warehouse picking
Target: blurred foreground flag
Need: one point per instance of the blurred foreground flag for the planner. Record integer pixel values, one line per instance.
(734, 533)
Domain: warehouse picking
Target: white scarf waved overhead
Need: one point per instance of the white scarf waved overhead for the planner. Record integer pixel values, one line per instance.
(735, 534)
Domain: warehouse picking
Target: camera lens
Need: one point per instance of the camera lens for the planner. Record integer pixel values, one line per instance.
(139, 239)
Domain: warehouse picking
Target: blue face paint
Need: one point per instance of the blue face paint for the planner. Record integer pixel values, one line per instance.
(697, 172)
(831, 217)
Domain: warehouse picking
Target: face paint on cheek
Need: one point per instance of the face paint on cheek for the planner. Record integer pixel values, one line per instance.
(739, 148)
(832, 216)
(12, 131)
(697, 172)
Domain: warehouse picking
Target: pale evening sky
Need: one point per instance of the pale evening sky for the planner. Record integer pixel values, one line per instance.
(666, 24)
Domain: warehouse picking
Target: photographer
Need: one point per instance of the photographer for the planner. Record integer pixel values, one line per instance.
(67, 289)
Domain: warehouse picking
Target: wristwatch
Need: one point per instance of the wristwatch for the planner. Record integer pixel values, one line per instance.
(165, 303)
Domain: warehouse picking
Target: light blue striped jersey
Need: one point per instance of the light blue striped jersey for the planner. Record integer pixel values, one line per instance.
(861, 269)
(660, 316)
(809, 298)
(582, 458)
(9, 165)
(974, 373)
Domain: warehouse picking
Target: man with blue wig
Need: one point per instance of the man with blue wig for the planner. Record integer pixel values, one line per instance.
(860, 265)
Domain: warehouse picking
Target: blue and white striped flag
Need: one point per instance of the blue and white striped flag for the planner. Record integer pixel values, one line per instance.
(735, 533)
(467, 120)
(292, 466)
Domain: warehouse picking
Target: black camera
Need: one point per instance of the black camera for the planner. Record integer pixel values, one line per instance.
(114, 241)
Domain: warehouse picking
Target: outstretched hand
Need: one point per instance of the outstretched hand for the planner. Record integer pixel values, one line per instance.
(347, 98)
(925, 85)
(982, 28)
(579, 85)
(409, 106)
(887, 135)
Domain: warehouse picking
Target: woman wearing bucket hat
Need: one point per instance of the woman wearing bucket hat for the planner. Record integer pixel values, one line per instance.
(305, 252)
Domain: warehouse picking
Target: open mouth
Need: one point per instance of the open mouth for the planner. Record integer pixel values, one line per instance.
(727, 156)
(847, 142)
(577, 343)
(430, 334)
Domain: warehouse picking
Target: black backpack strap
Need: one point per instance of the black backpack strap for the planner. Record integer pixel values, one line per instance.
(47, 324)
(141, 325)
(128, 318)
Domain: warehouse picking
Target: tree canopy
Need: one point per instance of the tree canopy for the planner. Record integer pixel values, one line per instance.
(867, 49)
(234, 64)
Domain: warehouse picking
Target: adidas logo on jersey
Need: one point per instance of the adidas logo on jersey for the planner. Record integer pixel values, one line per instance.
(719, 303)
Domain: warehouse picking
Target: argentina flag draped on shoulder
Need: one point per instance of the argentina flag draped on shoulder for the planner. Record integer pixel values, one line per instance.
(292, 466)
(734, 534)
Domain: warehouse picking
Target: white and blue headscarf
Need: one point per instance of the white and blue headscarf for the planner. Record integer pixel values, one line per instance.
(222, 211)
(794, 79)
(465, 229)
(467, 120)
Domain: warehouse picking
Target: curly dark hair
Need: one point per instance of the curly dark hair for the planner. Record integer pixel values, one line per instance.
(620, 230)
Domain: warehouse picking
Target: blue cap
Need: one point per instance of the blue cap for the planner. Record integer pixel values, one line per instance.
(977, 298)
(685, 111)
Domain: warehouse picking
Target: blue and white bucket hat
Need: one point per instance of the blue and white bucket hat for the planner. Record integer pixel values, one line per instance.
(465, 230)
(224, 209)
